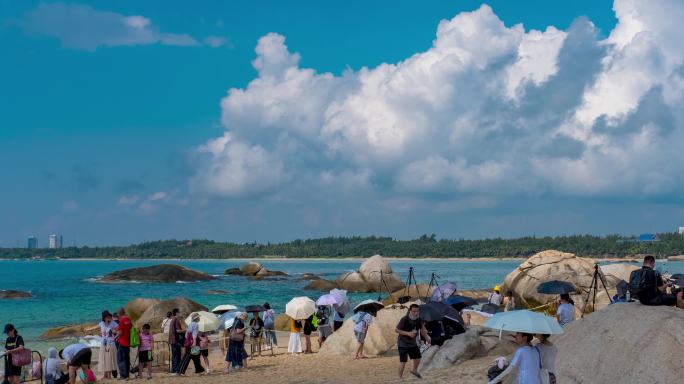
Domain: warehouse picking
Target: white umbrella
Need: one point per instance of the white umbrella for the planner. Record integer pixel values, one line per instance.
(208, 321)
(524, 321)
(227, 319)
(224, 308)
(300, 308)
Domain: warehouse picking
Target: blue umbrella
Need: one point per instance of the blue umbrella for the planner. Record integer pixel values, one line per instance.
(556, 287)
(459, 302)
(524, 321)
(226, 320)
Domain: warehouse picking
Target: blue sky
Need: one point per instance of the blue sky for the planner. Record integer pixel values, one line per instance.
(116, 125)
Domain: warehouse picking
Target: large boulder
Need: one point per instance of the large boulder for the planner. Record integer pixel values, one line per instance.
(475, 342)
(625, 342)
(368, 277)
(380, 338)
(321, 285)
(555, 265)
(619, 271)
(254, 270)
(282, 322)
(73, 330)
(162, 273)
(156, 313)
(12, 294)
(136, 307)
(251, 268)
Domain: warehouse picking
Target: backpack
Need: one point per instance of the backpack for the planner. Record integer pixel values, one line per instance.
(314, 321)
(134, 338)
(639, 283)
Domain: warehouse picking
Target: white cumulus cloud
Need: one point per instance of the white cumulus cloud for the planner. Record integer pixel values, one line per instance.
(487, 111)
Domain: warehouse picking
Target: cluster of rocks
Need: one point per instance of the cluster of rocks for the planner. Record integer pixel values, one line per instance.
(368, 278)
(254, 271)
(555, 265)
(161, 273)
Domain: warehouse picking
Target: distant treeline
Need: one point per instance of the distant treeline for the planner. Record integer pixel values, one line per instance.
(426, 246)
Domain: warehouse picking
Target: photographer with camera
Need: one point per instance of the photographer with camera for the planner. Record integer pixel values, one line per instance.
(648, 286)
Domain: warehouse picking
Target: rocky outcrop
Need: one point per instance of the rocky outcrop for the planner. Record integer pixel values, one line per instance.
(136, 307)
(162, 273)
(156, 313)
(676, 258)
(380, 338)
(308, 277)
(475, 342)
(12, 294)
(282, 322)
(321, 285)
(253, 269)
(625, 342)
(555, 265)
(367, 277)
(73, 330)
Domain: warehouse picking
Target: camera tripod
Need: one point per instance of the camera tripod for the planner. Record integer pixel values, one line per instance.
(411, 279)
(593, 288)
(382, 284)
(433, 283)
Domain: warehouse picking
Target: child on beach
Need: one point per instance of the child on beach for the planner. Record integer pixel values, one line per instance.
(145, 351)
(204, 349)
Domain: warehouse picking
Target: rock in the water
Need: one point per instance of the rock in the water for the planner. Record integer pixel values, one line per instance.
(475, 342)
(233, 271)
(555, 265)
(162, 273)
(156, 313)
(12, 294)
(309, 276)
(251, 269)
(321, 285)
(676, 258)
(380, 338)
(74, 330)
(368, 277)
(135, 308)
(625, 342)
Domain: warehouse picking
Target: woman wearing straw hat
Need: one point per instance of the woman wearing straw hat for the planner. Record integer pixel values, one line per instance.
(237, 355)
(192, 349)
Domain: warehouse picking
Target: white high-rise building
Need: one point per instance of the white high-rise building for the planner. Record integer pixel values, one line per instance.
(54, 241)
(681, 230)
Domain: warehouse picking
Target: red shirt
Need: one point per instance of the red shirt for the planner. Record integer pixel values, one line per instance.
(125, 326)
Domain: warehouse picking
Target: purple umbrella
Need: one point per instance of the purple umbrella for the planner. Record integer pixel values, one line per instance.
(442, 292)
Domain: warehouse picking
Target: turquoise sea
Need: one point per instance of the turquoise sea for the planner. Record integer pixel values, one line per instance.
(66, 292)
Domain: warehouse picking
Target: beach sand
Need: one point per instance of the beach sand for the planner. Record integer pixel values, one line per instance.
(284, 368)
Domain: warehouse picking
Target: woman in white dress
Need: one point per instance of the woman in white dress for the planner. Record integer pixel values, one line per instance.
(107, 357)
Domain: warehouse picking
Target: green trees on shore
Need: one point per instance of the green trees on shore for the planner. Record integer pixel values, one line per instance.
(425, 246)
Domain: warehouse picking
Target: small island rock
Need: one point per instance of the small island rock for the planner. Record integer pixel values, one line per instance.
(162, 273)
(12, 294)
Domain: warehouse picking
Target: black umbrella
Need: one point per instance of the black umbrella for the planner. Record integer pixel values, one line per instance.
(556, 287)
(459, 302)
(369, 306)
(254, 308)
(435, 311)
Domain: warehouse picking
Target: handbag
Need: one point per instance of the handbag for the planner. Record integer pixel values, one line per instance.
(195, 350)
(234, 336)
(21, 358)
(188, 340)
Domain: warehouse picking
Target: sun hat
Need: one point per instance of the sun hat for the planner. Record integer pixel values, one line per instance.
(497, 288)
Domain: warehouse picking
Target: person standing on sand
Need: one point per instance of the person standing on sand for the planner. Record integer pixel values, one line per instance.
(338, 320)
(192, 350)
(106, 362)
(548, 353)
(269, 327)
(324, 326)
(257, 327)
(308, 330)
(145, 351)
(204, 348)
(175, 342)
(236, 356)
(362, 321)
(123, 344)
(295, 343)
(527, 359)
(408, 329)
(13, 344)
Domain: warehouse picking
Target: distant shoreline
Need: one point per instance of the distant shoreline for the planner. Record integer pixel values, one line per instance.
(331, 259)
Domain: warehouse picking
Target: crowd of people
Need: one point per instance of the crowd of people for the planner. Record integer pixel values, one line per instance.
(534, 359)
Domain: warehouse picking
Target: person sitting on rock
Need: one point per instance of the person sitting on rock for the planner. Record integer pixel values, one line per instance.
(648, 286)
(495, 297)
